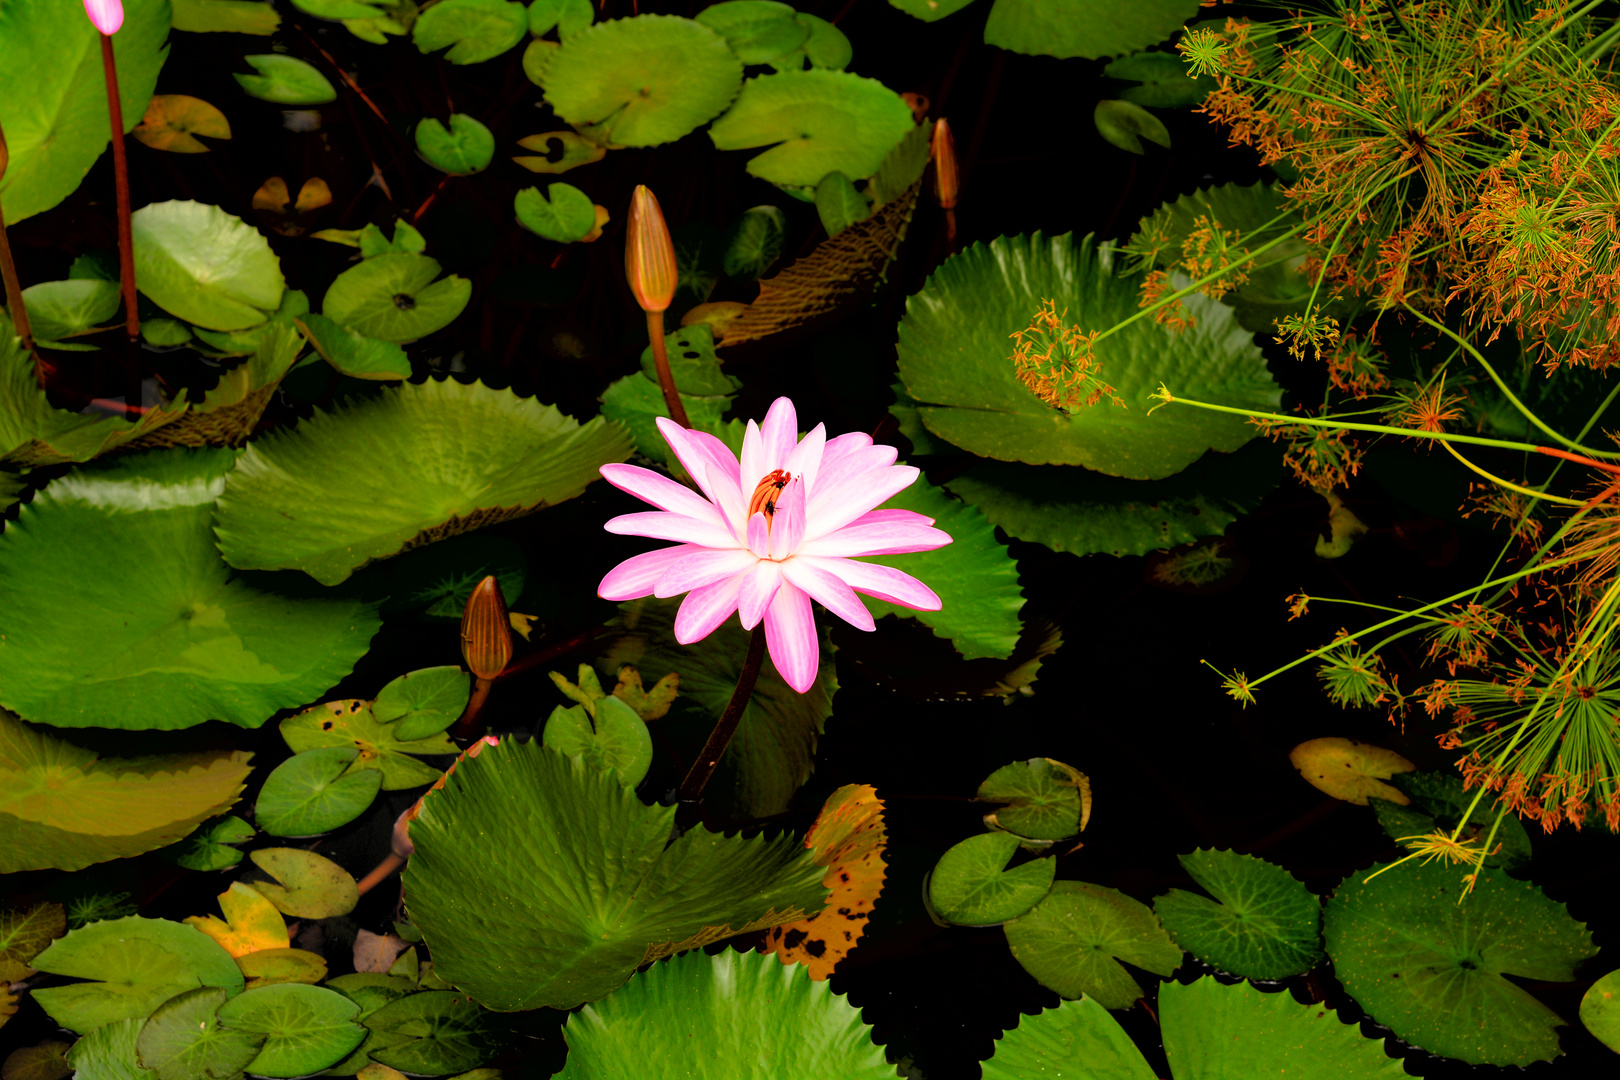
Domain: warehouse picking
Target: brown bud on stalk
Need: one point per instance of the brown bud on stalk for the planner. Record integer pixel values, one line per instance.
(649, 254)
(943, 149)
(486, 631)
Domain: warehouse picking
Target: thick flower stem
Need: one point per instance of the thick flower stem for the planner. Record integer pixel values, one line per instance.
(467, 723)
(14, 301)
(666, 377)
(697, 778)
(380, 873)
(126, 239)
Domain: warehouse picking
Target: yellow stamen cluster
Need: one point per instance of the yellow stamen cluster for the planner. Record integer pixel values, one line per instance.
(1055, 361)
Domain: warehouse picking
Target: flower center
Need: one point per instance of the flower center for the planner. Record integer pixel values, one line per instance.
(766, 494)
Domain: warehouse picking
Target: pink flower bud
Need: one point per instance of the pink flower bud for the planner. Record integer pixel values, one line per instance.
(106, 15)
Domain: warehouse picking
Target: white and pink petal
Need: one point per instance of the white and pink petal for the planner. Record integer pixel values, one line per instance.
(790, 634)
(636, 576)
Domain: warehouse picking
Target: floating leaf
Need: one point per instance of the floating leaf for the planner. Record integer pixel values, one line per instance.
(45, 1061)
(183, 1039)
(204, 266)
(209, 847)
(165, 333)
(1045, 799)
(320, 498)
(1078, 1030)
(316, 791)
(774, 747)
(225, 16)
(1350, 770)
(268, 967)
(1263, 923)
(251, 922)
(306, 1028)
(754, 242)
(141, 963)
(24, 934)
(352, 353)
(424, 702)
(377, 952)
(337, 10)
(1600, 1010)
(1431, 969)
(108, 1052)
(848, 838)
(231, 410)
(564, 213)
(306, 885)
(466, 147)
(838, 204)
(435, 1033)
(758, 31)
(955, 362)
(1088, 28)
(383, 747)
(285, 80)
(53, 94)
(475, 30)
(827, 46)
(397, 22)
(930, 10)
(1073, 940)
(612, 737)
(576, 883)
(1439, 801)
(573, 150)
(1083, 512)
(394, 297)
(971, 885)
(730, 1016)
(61, 309)
(815, 122)
(642, 81)
(173, 122)
(124, 555)
(66, 807)
(1164, 82)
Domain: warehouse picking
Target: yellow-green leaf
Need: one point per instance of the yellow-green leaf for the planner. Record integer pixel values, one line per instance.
(24, 935)
(173, 121)
(251, 922)
(307, 886)
(1350, 770)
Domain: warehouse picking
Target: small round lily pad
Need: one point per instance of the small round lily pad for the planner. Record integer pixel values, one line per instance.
(305, 1028)
(463, 148)
(315, 792)
(395, 297)
(1073, 940)
(971, 886)
(1263, 923)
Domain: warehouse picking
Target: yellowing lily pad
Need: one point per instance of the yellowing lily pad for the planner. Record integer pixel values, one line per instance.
(1350, 770)
(25, 934)
(307, 885)
(173, 122)
(269, 966)
(251, 922)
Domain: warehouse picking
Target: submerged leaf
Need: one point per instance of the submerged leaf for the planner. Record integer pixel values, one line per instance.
(1088, 28)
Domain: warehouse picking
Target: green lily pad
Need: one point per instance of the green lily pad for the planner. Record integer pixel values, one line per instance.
(955, 363)
(637, 401)
(409, 466)
(693, 364)
(1162, 78)
(729, 1017)
(564, 213)
(306, 886)
(381, 745)
(108, 1053)
(1045, 799)
(1088, 28)
(466, 147)
(1216, 1031)
(202, 265)
(1439, 800)
(211, 846)
(1083, 512)
(827, 46)
(165, 333)
(1078, 1030)
(224, 17)
(60, 309)
(65, 807)
(1431, 969)
(183, 1039)
(615, 738)
(124, 555)
(815, 122)
(578, 880)
(53, 95)
(642, 81)
(294, 305)
(774, 747)
(393, 297)
(754, 242)
(352, 353)
(1263, 923)
(475, 30)
(838, 204)
(971, 885)
(438, 580)
(315, 792)
(758, 31)
(424, 702)
(285, 80)
(306, 1028)
(138, 964)
(1073, 940)
(1600, 1010)
(24, 934)
(372, 990)
(1126, 124)
(573, 150)
(975, 577)
(396, 22)
(47, 1060)
(436, 1033)
(337, 10)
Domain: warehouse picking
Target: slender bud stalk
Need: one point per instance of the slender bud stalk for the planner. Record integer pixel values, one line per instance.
(943, 149)
(8, 277)
(697, 778)
(649, 265)
(107, 16)
(486, 645)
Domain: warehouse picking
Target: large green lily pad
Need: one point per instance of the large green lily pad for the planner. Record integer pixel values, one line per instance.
(137, 963)
(1263, 923)
(65, 807)
(1073, 940)
(394, 297)
(642, 81)
(408, 466)
(108, 1052)
(815, 122)
(1078, 1030)
(734, 1016)
(576, 883)
(955, 362)
(199, 263)
(1431, 969)
(53, 95)
(123, 555)
(1088, 28)
(183, 1039)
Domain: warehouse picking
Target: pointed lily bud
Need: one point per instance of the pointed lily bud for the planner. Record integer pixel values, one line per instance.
(106, 15)
(649, 255)
(486, 632)
(943, 149)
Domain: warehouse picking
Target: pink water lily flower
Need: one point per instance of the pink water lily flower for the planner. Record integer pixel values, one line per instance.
(782, 527)
(106, 15)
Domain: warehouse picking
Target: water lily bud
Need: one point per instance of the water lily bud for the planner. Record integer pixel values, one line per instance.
(943, 149)
(649, 255)
(486, 631)
(106, 15)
